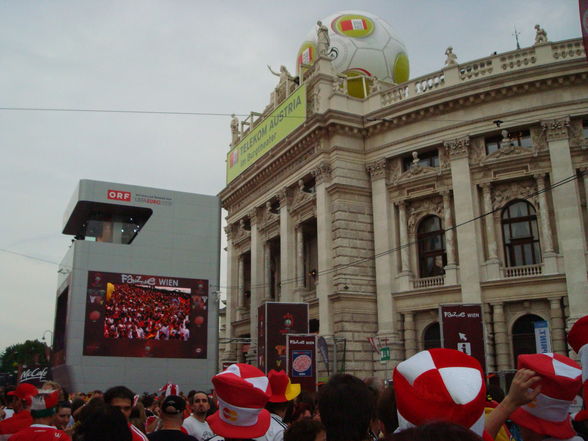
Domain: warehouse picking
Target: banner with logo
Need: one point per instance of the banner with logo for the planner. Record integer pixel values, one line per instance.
(286, 118)
(301, 356)
(275, 321)
(35, 375)
(462, 328)
(542, 337)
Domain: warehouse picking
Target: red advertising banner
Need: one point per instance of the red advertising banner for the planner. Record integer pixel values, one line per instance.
(275, 321)
(133, 315)
(584, 23)
(301, 355)
(462, 329)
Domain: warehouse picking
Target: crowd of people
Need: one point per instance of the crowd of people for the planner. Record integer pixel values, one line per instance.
(136, 312)
(435, 395)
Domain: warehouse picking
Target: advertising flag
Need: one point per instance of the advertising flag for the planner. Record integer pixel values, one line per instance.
(584, 23)
(355, 24)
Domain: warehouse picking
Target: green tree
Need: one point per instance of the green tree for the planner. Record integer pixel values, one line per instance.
(29, 353)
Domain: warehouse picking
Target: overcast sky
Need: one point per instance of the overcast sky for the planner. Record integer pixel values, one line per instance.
(171, 55)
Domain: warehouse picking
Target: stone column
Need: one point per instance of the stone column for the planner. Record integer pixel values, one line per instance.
(232, 296)
(558, 337)
(489, 346)
(257, 282)
(287, 249)
(241, 285)
(568, 216)
(299, 257)
(405, 273)
(267, 270)
(385, 272)
(324, 225)
(451, 267)
(467, 241)
(492, 262)
(549, 256)
(410, 342)
(584, 172)
(500, 337)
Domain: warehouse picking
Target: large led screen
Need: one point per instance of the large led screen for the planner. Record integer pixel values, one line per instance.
(132, 315)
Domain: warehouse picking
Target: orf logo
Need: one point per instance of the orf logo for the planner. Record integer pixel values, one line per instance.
(119, 195)
(230, 414)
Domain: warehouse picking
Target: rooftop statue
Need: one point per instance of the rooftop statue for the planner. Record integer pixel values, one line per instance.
(323, 39)
(234, 129)
(451, 59)
(284, 85)
(541, 35)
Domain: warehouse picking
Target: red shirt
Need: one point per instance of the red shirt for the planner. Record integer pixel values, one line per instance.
(137, 434)
(15, 423)
(40, 432)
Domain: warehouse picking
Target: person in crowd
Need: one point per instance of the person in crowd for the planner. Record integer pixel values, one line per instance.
(196, 424)
(304, 407)
(283, 392)
(21, 403)
(138, 416)
(101, 422)
(386, 411)
(43, 407)
(62, 416)
(171, 414)
(305, 429)
(242, 391)
(150, 405)
(122, 398)
(346, 407)
(6, 410)
(578, 340)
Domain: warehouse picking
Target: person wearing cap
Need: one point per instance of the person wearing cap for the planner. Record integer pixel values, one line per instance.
(43, 407)
(122, 398)
(578, 340)
(283, 392)
(196, 424)
(242, 391)
(547, 416)
(22, 400)
(171, 415)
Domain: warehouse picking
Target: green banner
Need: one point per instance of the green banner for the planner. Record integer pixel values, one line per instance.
(286, 118)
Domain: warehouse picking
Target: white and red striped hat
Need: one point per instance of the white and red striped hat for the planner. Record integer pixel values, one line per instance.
(440, 384)
(578, 340)
(242, 391)
(44, 403)
(170, 389)
(560, 382)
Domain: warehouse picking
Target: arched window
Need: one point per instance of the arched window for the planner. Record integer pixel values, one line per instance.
(523, 335)
(432, 336)
(521, 239)
(431, 239)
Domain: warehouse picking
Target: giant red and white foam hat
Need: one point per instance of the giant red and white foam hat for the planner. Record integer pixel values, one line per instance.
(440, 384)
(578, 340)
(170, 389)
(44, 404)
(242, 391)
(560, 382)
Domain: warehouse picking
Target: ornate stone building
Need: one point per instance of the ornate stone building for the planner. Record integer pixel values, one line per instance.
(465, 185)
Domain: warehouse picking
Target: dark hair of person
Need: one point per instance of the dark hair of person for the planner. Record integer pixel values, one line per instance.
(346, 406)
(196, 392)
(436, 431)
(302, 403)
(278, 407)
(304, 430)
(386, 410)
(147, 400)
(118, 392)
(103, 422)
(191, 394)
(64, 405)
(89, 407)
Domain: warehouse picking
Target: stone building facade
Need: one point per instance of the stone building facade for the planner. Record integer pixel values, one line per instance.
(465, 185)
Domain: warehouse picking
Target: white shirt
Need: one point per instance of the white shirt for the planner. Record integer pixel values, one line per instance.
(275, 431)
(200, 431)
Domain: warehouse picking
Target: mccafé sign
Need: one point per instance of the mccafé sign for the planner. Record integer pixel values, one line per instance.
(118, 195)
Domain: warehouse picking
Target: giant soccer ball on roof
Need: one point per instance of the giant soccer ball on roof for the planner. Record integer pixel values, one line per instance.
(360, 43)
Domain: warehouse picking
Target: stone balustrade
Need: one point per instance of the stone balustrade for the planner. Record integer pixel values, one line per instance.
(427, 282)
(522, 271)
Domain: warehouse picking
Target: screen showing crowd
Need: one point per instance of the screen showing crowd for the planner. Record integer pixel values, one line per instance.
(148, 316)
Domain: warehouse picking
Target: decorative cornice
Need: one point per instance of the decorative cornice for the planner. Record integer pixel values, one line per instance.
(457, 148)
(322, 173)
(377, 169)
(556, 129)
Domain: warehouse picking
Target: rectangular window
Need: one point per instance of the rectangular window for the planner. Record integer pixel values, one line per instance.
(521, 138)
(423, 159)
